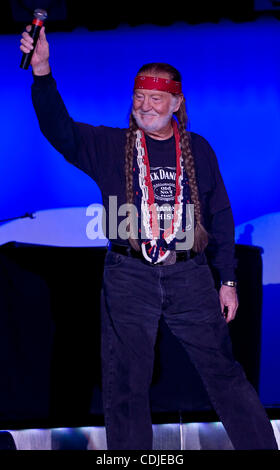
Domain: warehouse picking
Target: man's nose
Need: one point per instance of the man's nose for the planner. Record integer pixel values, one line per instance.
(146, 105)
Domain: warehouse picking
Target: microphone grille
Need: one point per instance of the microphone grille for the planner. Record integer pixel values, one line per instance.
(40, 14)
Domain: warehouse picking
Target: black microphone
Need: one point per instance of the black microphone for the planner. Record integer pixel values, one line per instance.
(37, 23)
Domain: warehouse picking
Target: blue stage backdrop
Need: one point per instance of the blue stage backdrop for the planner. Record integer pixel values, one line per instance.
(231, 80)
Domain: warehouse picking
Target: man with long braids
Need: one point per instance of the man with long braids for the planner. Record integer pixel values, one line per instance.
(155, 161)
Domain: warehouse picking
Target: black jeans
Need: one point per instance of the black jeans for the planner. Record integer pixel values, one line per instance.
(133, 298)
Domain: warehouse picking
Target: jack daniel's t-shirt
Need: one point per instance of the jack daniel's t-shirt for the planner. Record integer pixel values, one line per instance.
(162, 161)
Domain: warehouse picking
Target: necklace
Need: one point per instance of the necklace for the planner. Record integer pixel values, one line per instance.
(156, 249)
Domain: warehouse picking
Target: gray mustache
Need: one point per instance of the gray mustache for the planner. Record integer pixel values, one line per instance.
(148, 114)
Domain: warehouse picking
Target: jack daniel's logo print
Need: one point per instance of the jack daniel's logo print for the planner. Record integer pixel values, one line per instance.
(164, 183)
(164, 186)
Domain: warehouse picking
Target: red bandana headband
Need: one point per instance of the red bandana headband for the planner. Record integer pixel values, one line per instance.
(155, 83)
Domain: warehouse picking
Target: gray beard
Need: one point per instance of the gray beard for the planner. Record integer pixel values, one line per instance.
(159, 124)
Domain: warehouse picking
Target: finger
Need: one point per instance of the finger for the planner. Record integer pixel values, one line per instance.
(27, 37)
(28, 28)
(26, 43)
(231, 314)
(27, 40)
(42, 36)
(222, 304)
(228, 317)
(225, 311)
(24, 49)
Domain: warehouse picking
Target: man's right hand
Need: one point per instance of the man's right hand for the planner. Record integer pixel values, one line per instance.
(40, 58)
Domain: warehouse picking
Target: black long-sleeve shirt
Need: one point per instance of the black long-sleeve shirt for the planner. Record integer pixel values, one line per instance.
(99, 152)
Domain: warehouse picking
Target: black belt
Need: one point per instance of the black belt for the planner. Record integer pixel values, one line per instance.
(128, 251)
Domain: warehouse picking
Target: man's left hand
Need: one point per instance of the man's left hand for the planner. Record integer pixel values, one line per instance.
(228, 298)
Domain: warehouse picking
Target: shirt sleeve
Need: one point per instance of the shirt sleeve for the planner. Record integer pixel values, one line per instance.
(221, 247)
(219, 221)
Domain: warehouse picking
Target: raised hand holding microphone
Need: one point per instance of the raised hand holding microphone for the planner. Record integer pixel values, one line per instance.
(40, 56)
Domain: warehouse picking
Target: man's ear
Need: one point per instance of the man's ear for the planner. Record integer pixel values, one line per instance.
(178, 101)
